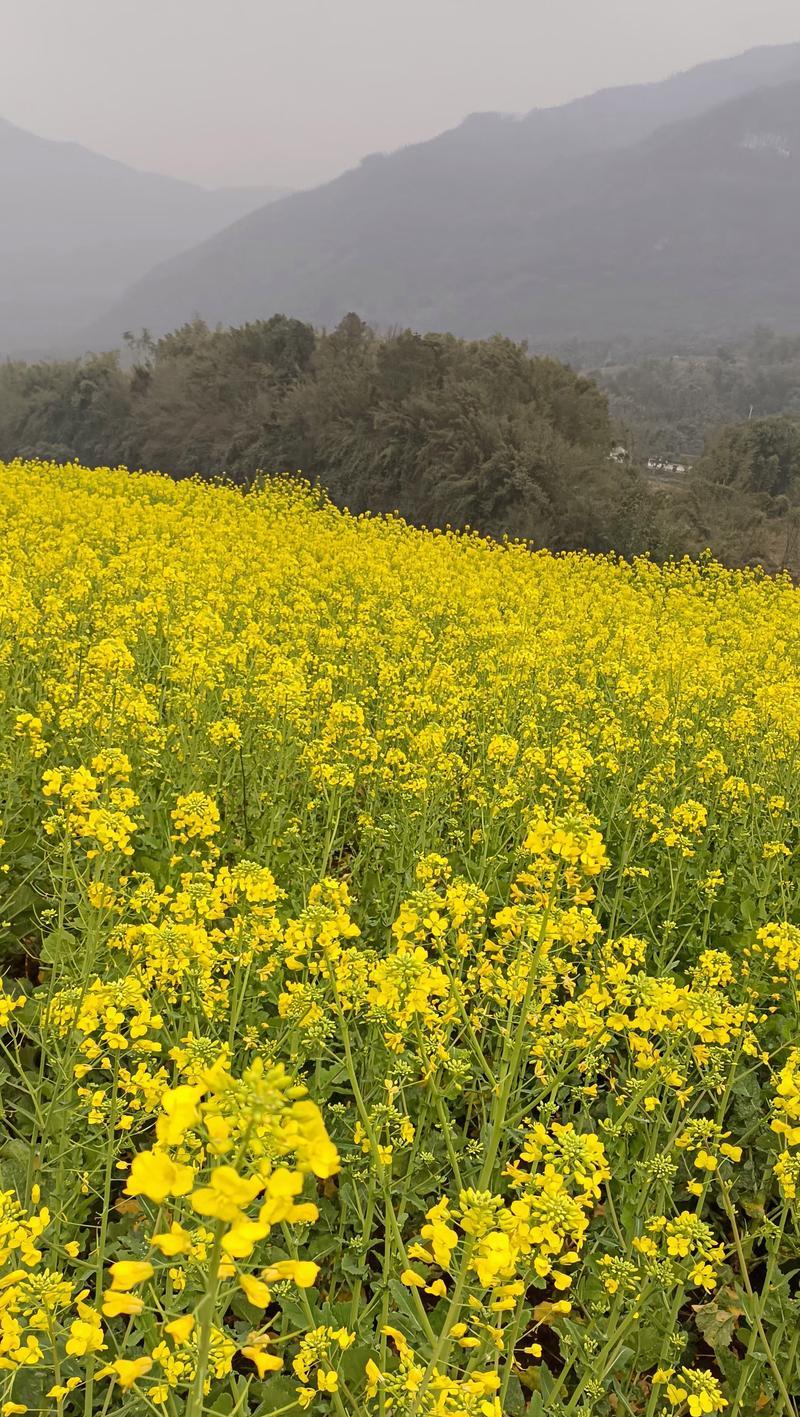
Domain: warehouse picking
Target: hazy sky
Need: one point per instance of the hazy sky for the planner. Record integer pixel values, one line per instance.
(292, 91)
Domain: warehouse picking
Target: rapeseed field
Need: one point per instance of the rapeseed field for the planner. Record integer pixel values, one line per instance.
(400, 951)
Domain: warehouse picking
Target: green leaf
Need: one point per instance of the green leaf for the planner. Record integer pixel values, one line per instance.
(279, 1392)
(58, 947)
(294, 1313)
(648, 1345)
(536, 1407)
(404, 1303)
(222, 1404)
(14, 1159)
(515, 1405)
(716, 1325)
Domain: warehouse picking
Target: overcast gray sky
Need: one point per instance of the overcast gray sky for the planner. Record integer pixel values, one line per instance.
(293, 91)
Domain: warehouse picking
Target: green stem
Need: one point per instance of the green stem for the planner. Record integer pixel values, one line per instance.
(205, 1313)
(757, 1307)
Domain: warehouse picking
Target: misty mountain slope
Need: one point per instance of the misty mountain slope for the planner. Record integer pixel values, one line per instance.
(486, 227)
(693, 232)
(78, 228)
(615, 117)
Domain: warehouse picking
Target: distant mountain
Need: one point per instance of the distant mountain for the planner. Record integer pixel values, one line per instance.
(693, 232)
(79, 228)
(644, 210)
(614, 118)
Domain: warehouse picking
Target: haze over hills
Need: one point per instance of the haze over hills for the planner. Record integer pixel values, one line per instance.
(654, 211)
(80, 227)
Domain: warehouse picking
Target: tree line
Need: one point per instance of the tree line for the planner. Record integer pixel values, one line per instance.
(443, 430)
(671, 403)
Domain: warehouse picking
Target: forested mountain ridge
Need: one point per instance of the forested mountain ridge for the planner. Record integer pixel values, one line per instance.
(605, 216)
(79, 227)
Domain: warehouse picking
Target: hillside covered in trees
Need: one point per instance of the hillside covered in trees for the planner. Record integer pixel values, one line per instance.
(443, 430)
(672, 403)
